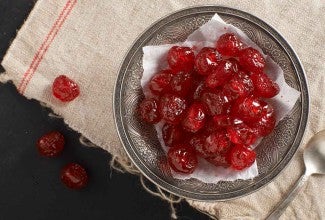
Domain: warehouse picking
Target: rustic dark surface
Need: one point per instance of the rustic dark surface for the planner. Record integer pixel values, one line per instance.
(30, 187)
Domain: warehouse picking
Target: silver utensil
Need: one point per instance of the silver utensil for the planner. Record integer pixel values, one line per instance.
(314, 159)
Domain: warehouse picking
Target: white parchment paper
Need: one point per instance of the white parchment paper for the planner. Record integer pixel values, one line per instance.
(155, 59)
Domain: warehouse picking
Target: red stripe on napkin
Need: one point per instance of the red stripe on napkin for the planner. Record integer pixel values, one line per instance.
(45, 45)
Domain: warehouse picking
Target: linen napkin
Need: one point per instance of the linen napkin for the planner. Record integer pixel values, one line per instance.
(87, 40)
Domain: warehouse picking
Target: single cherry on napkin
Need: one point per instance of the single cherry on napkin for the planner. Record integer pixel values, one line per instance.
(65, 89)
(181, 59)
(228, 44)
(74, 176)
(182, 158)
(251, 60)
(241, 157)
(51, 144)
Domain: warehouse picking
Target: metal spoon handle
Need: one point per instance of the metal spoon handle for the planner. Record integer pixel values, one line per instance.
(278, 210)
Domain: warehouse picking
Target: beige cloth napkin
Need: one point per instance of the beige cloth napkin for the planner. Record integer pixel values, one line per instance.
(87, 39)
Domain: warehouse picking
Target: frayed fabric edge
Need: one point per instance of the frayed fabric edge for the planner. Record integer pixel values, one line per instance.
(124, 165)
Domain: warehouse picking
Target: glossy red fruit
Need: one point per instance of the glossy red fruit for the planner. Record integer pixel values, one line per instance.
(215, 102)
(222, 74)
(264, 86)
(241, 133)
(198, 142)
(149, 110)
(182, 158)
(159, 83)
(229, 45)
(181, 59)
(172, 108)
(219, 160)
(207, 60)
(171, 134)
(65, 89)
(51, 144)
(217, 143)
(241, 157)
(194, 118)
(74, 176)
(239, 86)
(197, 92)
(222, 121)
(252, 60)
(247, 108)
(265, 125)
(181, 83)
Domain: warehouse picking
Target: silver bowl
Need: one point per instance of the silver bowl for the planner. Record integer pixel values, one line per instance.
(140, 139)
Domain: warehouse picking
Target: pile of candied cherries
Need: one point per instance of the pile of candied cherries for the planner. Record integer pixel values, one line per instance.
(213, 104)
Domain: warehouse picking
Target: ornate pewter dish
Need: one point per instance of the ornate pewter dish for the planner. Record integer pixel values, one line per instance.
(140, 140)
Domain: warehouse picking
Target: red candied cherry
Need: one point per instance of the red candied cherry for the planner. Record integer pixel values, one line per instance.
(241, 157)
(229, 45)
(181, 83)
(222, 120)
(172, 108)
(194, 118)
(222, 74)
(239, 86)
(198, 142)
(74, 176)
(251, 60)
(215, 102)
(51, 144)
(182, 158)
(217, 143)
(240, 133)
(264, 86)
(181, 59)
(160, 82)
(171, 134)
(207, 60)
(149, 110)
(65, 89)
(266, 123)
(247, 108)
(219, 160)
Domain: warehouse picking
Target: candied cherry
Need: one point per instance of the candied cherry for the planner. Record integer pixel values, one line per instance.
(149, 110)
(215, 102)
(217, 143)
(160, 82)
(197, 141)
(247, 108)
(240, 85)
(172, 108)
(266, 123)
(74, 176)
(207, 60)
(264, 86)
(222, 74)
(241, 133)
(182, 158)
(194, 118)
(51, 144)
(241, 157)
(181, 59)
(171, 134)
(219, 160)
(251, 59)
(65, 89)
(229, 45)
(181, 83)
(222, 120)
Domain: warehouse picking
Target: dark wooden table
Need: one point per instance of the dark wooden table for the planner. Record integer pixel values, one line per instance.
(30, 187)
